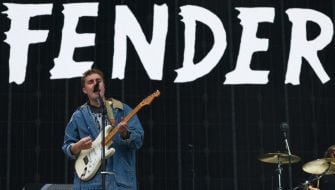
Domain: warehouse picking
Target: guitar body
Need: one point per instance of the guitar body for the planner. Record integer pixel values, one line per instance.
(89, 161)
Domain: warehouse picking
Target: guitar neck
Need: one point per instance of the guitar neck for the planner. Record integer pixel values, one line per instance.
(110, 136)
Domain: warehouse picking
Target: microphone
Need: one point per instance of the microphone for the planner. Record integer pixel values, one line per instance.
(285, 128)
(96, 87)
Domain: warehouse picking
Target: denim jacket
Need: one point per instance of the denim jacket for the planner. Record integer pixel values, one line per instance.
(122, 163)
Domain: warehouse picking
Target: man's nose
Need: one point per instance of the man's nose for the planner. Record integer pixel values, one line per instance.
(96, 86)
(96, 82)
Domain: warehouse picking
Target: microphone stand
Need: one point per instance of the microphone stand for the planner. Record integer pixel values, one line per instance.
(102, 128)
(289, 165)
(284, 128)
(190, 146)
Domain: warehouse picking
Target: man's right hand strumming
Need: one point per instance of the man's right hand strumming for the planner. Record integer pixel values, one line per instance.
(82, 144)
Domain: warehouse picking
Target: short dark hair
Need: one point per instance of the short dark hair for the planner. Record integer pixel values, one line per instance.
(89, 72)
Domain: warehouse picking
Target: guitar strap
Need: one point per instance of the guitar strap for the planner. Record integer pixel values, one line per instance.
(110, 114)
(110, 104)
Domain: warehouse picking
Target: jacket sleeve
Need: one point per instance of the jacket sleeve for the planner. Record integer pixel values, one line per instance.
(71, 136)
(135, 129)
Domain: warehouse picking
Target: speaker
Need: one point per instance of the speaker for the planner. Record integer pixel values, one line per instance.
(57, 187)
(47, 187)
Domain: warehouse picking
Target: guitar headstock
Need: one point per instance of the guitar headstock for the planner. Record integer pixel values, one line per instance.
(150, 98)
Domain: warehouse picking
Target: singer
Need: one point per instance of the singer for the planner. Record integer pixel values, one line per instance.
(84, 127)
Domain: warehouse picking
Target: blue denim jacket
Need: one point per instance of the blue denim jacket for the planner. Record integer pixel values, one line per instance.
(122, 163)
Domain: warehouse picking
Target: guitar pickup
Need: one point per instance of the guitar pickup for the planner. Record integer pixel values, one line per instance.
(85, 160)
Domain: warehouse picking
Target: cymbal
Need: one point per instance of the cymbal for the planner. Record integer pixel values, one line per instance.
(324, 166)
(278, 157)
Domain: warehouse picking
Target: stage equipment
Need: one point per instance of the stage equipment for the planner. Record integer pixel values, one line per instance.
(89, 161)
(325, 166)
(102, 104)
(285, 129)
(279, 159)
(305, 185)
(319, 168)
(49, 186)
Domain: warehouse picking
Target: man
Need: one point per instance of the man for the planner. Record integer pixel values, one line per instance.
(328, 181)
(84, 126)
(330, 153)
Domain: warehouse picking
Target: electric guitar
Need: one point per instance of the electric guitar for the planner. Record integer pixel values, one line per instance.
(89, 160)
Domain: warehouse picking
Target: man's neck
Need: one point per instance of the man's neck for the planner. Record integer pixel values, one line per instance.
(95, 103)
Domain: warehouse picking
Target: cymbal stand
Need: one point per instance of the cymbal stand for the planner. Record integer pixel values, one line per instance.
(279, 170)
(309, 182)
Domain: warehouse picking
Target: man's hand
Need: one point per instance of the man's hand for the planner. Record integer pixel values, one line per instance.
(123, 129)
(84, 143)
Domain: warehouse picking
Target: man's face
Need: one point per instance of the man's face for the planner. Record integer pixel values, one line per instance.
(332, 153)
(89, 84)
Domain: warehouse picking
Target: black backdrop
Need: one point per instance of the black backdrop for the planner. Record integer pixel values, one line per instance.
(198, 135)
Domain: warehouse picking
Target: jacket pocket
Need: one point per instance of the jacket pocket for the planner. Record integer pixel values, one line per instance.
(125, 179)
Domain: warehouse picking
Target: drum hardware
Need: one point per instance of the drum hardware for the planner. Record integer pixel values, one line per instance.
(324, 166)
(279, 159)
(318, 167)
(307, 183)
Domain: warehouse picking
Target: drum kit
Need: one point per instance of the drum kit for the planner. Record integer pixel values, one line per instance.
(318, 167)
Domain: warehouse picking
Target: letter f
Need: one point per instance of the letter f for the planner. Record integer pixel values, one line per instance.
(19, 36)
